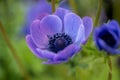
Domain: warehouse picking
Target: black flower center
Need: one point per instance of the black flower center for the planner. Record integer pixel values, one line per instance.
(59, 41)
(108, 38)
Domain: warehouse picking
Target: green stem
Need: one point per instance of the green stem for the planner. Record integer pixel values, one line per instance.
(53, 5)
(17, 59)
(73, 68)
(110, 68)
(74, 75)
(98, 12)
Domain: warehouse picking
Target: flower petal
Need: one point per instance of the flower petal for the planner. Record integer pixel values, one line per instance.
(115, 37)
(96, 37)
(80, 38)
(110, 50)
(50, 25)
(37, 36)
(33, 47)
(61, 12)
(46, 54)
(43, 54)
(67, 53)
(88, 24)
(72, 23)
(113, 25)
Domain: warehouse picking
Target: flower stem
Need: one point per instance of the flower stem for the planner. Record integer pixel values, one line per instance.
(110, 68)
(73, 68)
(53, 5)
(17, 59)
(98, 12)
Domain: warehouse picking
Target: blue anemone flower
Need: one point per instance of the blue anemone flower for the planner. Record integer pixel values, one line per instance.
(107, 37)
(58, 37)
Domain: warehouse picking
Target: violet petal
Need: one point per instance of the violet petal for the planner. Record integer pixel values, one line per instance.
(72, 23)
(39, 38)
(80, 38)
(67, 53)
(50, 25)
(88, 24)
(61, 12)
(46, 54)
(113, 25)
(33, 47)
(110, 50)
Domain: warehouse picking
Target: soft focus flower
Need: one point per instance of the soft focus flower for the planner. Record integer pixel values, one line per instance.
(65, 4)
(58, 37)
(107, 37)
(42, 6)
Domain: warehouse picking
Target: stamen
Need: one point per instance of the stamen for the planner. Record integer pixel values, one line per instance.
(108, 38)
(59, 41)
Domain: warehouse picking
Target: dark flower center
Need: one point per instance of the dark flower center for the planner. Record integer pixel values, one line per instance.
(108, 38)
(59, 41)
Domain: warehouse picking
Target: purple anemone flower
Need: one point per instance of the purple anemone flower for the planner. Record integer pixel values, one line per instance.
(107, 37)
(42, 6)
(65, 4)
(58, 37)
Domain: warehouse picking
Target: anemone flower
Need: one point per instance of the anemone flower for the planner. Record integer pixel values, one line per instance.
(42, 6)
(65, 4)
(107, 37)
(57, 37)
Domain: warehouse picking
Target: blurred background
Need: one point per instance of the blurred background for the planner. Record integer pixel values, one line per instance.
(89, 64)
